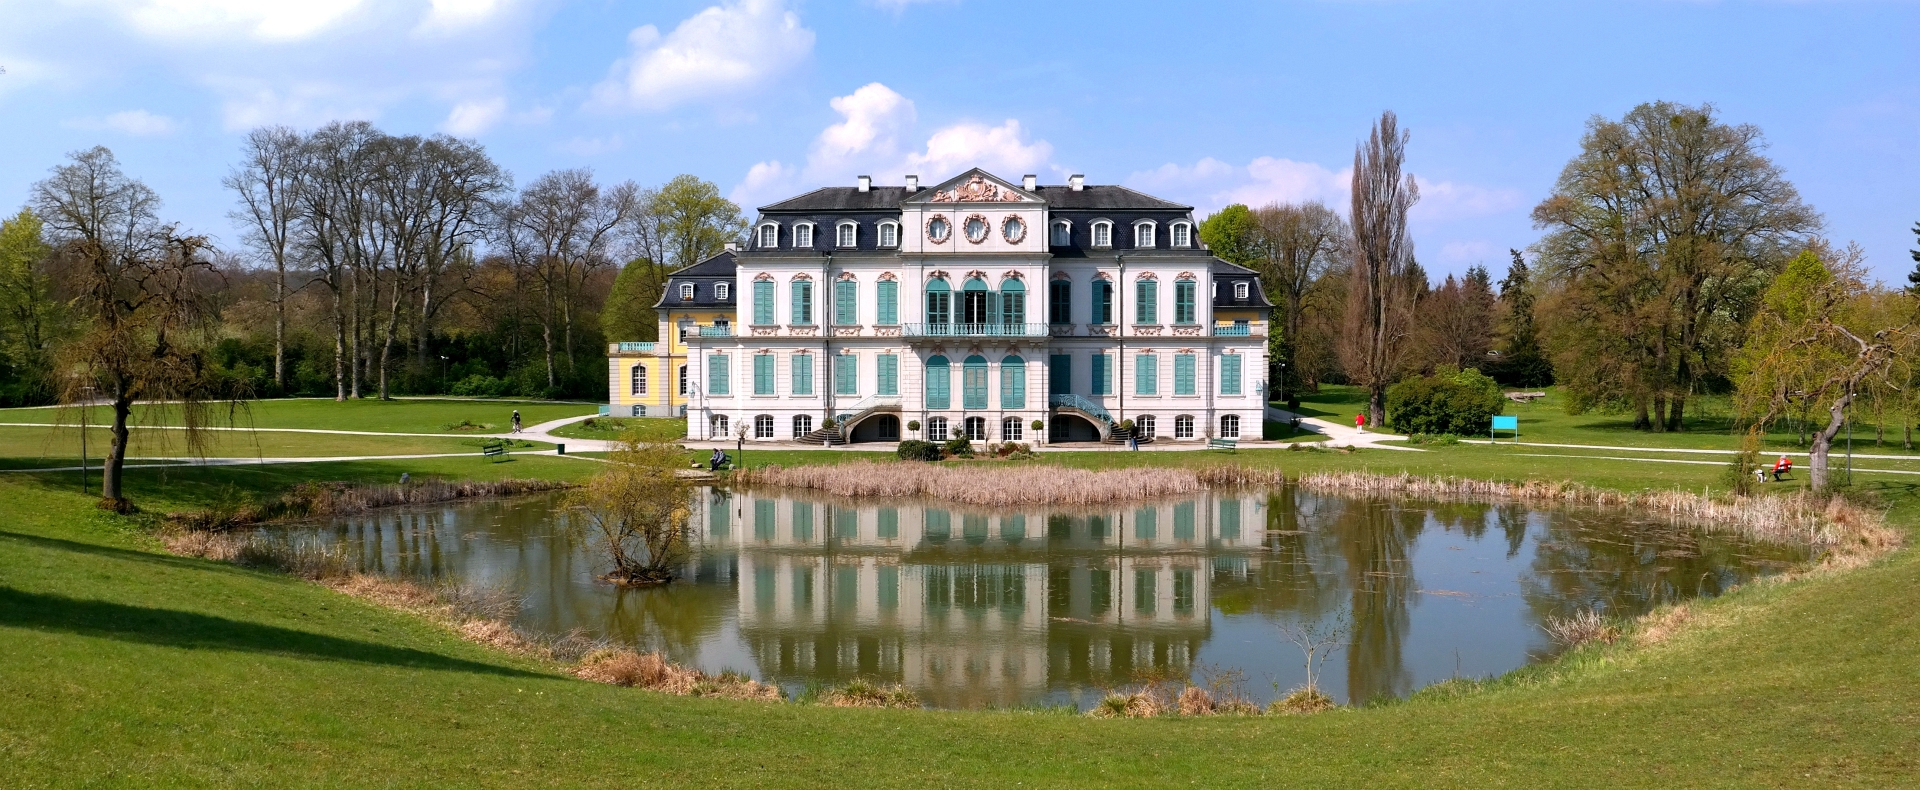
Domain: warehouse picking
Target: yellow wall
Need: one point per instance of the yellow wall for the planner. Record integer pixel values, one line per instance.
(663, 398)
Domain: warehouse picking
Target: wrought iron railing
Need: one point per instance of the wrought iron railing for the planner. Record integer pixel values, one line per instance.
(1081, 404)
(974, 330)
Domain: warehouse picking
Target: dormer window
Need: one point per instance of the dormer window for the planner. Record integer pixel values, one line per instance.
(802, 236)
(1143, 234)
(889, 234)
(1240, 292)
(1181, 235)
(1062, 234)
(1103, 234)
(846, 234)
(719, 292)
(686, 292)
(769, 236)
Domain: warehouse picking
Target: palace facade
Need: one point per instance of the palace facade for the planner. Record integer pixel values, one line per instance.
(977, 308)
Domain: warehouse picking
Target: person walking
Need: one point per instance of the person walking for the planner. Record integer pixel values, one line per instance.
(516, 420)
(1360, 422)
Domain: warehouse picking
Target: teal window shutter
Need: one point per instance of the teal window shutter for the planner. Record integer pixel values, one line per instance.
(1183, 374)
(1230, 374)
(1183, 520)
(1146, 375)
(1102, 302)
(1230, 518)
(846, 369)
(846, 303)
(1146, 307)
(802, 302)
(763, 374)
(1102, 374)
(763, 302)
(889, 312)
(974, 383)
(803, 374)
(889, 370)
(1013, 383)
(1146, 523)
(717, 374)
(1183, 295)
(1060, 374)
(939, 377)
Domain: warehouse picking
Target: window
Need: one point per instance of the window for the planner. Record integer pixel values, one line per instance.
(846, 374)
(1181, 234)
(1010, 429)
(1062, 234)
(802, 425)
(973, 383)
(1240, 292)
(1183, 366)
(769, 236)
(1143, 235)
(1229, 426)
(1146, 593)
(802, 374)
(1102, 374)
(1183, 306)
(939, 303)
(1146, 374)
(763, 374)
(1013, 303)
(803, 235)
(1146, 523)
(1059, 374)
(848, 233)
(939, 378)
(889, 234)
(717, 374)
(846, 303)
(976, 229)
(717, 427)
(974, 297)
(1060, 302)
(938, 229)
(763, 426)
(720, 292)
(763, 302)
(1146, 302)
(1183, 426)
(1013, 230)
(1013, 383)
(1102, 302)
(936, 429)
(802, 306)
(887, 309)
(639, 380)
(1229, 518)
(683, 379)
(1103, 234)
(888, 370)
(1183, 590)
(1229, 374)
(1143, 426)
(976, 428)
(686, 292)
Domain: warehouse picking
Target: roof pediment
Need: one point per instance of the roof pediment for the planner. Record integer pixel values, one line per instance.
(974, 186)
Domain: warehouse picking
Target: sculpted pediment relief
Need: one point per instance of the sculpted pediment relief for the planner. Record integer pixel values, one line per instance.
(977, 190)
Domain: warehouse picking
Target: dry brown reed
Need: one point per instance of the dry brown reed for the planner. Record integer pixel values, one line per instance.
(996, 485)
(320, 500)
(861, 693)
(1583, 627)
(654, 672)
(1302, 701)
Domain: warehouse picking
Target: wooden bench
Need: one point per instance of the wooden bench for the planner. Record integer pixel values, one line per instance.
(1222, 444)
(494, 448)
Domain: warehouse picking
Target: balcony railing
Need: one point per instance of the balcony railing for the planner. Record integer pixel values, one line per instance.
(1232, 330)
(975, 330)
(633, 348)
(706, 331)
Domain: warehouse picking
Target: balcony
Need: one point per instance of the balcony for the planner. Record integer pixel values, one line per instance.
(630, 348)
(706, 331)
(975, 330)
(1232, 330)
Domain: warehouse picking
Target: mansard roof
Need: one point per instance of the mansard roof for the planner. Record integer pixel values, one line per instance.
(703, 275)
(1091, 197)
(1225, 273)
(843, 199)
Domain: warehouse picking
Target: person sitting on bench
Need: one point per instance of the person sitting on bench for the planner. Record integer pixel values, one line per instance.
(1782, 467)
(719, 457)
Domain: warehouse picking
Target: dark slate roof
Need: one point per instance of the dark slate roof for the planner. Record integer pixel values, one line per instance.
(703, 275)
(1093, 197)
(843, 199)
(1225, 275)
(1104, 197)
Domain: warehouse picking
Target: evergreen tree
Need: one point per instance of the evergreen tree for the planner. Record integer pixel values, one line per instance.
(1522, 363)
(1913, 277)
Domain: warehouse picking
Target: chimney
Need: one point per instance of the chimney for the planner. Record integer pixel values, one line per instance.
(913, 184)
(866, 183)
(1076, 182)
(1029, 181)
(733, 246)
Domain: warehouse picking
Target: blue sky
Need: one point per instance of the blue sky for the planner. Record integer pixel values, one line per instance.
(1199, 103)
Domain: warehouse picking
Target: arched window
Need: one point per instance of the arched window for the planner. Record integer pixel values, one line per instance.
(1013, 303)
(686, 292)
(889, 234)
(939, 303)
(763, 426)
(1143, 234)
(976, 429)
(1062, 234)
(769, 236)
(974, 383)
(847, 234)
(639, 379)
(1013, 383)
(1241, 291)
(802, 425)
(936, 429)
(1143, 426)
(1183, 426)
(1180, 234)
(939, 379)
(1010, 429)
(1229, 426)
(717, 427)
(1103, 234)
(973, 302)
(803, 235)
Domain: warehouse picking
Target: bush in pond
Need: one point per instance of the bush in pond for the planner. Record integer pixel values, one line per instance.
(1460, 402)
(1303, 700)
(916, 450)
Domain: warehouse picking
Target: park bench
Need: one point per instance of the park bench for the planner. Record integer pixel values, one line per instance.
(1222, 444)
(494, 448)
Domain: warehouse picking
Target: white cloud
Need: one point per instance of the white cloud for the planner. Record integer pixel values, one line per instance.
(453, 15)
(1445, 200)
(257, 103)
(592, 146)
(138, 123)
(725, 49)
(873, 118)
(264, 20)
(470, 118)
(999, 149)
(1210, 183)
(1467, 251)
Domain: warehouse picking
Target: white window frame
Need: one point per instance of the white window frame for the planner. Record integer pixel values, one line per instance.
(967, 426)
(940, 435)
(1065, 229)
(802, 229)
(1229, 426)
(1143, 231)
(686, 292)
(1180, 235)
(1102, 234)
(770, 236)
(762, 426)
(683, 380)
(1143, 426)
(637, 380)
(802, 425)
(720, 292)
(1241, 291)
(719, 426)
(846, 235)
(1183, 426)
(889, 228)
(1011, 429)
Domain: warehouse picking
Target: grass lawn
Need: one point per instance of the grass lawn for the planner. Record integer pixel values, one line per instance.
(435, 415)
(652, 429)
(121, 665)
(61, 445)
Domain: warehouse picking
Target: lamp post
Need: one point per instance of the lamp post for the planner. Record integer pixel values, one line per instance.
(86, 403)
(443, 373)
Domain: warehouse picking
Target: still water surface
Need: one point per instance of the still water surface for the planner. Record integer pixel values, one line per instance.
(971, 607)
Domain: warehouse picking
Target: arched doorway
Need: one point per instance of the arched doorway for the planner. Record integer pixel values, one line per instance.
(1066, 428)
(878, 428)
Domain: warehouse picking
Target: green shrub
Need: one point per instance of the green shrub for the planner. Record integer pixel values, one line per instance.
(1460, 402)
(481, 386)
(958, 447)
(916, 450)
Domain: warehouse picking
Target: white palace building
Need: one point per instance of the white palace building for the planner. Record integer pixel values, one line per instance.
(975, 308)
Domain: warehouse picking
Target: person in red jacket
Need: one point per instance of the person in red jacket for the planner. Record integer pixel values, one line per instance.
(1781, 468)
(1360, 422)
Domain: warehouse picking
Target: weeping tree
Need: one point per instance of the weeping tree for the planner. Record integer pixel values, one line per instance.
(637, 510)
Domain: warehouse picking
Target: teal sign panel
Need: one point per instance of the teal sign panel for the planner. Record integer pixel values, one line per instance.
(1506, 423)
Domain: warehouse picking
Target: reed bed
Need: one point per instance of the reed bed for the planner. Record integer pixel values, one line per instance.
(653, 672)
(997, 486)
(322, 500)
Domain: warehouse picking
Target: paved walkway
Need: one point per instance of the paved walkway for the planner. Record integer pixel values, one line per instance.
(1341, 435)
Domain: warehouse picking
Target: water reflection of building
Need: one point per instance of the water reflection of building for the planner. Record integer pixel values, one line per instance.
(971, 607)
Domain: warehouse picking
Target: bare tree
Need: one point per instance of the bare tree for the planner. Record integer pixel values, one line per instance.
(1380, 294)
(1296, 245)
(265, 181)
(561, 229)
